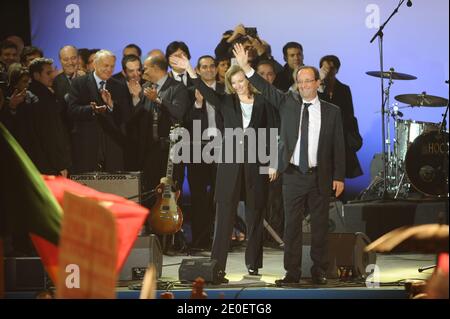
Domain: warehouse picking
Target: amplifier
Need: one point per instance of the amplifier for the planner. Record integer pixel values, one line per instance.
(346, 256)
(146, 249)
(125, 184)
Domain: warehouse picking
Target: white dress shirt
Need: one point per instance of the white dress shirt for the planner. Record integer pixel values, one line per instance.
(246, 109)
(211, 112)
(313, 133)
(177, 77)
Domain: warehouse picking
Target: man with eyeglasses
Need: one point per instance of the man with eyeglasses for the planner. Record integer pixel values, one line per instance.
(311, 157)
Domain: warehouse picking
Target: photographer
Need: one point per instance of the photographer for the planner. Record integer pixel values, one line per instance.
(257, 48)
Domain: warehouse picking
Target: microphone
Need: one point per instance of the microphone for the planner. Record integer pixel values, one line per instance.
(409, 3)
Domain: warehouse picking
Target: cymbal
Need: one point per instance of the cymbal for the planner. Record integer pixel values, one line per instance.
(392, 75)
(422, 100)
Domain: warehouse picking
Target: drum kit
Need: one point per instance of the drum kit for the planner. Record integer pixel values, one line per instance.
(417, 157)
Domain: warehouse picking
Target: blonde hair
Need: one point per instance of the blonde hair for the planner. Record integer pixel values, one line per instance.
(234, 69)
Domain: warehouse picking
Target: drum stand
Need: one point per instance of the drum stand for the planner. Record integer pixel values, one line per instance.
(442, 130)
(384, 98)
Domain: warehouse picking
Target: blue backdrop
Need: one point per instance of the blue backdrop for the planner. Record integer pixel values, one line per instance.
(415, 41)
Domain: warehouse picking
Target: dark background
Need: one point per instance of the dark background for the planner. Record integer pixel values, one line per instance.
(15, 19)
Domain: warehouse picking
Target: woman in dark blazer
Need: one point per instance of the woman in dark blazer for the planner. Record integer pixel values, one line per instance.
(242, 108)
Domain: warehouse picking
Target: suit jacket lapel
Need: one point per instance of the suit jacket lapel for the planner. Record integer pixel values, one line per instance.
(238, 111)
(167, 84)
(93, 90)
(297, 114)
(256, 111)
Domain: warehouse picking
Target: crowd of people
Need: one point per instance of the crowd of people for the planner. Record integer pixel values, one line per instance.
(83, 118)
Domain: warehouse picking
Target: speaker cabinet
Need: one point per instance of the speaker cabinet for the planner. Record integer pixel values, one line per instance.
(206, 268)
(346, 255)
(146, 249)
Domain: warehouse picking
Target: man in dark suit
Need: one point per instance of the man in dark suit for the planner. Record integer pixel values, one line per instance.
(44, 140)
(340, 95)
(293, 56)
(98, 105)
(163, 103)
(69, 59)
(311, 158)
(130, 49)
(177, 48)
(70, 63)
(201, 175)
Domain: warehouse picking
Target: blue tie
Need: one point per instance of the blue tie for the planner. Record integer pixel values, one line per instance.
(102, 85)
(303, 162)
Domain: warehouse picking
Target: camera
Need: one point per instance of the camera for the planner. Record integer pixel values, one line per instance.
(251, 32)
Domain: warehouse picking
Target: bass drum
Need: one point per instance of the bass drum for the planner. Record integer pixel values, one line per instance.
(427, 163)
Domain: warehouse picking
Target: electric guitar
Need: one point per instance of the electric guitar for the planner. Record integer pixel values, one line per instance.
(165, 216)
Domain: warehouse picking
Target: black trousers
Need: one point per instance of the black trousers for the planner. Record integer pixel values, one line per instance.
(225, 215)
(301, 196)
(202, 178)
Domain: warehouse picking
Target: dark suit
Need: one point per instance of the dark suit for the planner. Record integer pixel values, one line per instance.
(284, 78)
(306, 193)
(97, 139)
(150, 148)
(46, 143)
(342, 97)
(120, 77)
(202, 177)
(61, 86)
(238, 180)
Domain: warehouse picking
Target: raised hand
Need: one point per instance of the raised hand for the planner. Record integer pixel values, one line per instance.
(106, 97)
(324, 70)
(180, 61)
(238, 31)
(198, 99)
(241, 56)
(16, 98)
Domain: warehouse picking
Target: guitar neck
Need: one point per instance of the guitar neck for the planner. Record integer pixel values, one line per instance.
(169, 171)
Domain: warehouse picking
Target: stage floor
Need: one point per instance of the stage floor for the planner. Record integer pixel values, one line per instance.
(395, 269)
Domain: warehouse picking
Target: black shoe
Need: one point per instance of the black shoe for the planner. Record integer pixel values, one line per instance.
(286, 280)
(319, 279)
(252, 272)
(221, 278)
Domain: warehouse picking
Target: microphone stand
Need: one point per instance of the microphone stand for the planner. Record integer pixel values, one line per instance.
(380, 35)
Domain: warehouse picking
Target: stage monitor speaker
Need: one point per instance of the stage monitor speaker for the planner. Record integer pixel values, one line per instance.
(205, 268)
(146, 249)
(126, 184)
(346, 256)
(24, 274)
